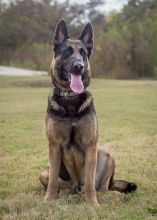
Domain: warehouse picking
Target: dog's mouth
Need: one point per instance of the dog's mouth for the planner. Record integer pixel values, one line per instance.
(75, 81)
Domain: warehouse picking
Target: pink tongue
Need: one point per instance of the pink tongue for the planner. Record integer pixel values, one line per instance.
(76, 84)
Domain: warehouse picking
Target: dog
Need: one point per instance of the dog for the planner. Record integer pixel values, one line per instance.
(75, 162)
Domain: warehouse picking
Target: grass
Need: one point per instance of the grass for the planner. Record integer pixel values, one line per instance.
(127, 115)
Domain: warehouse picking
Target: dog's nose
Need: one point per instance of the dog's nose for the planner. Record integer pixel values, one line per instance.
(78, 66)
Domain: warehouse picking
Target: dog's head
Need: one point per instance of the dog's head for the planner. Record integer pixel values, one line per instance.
(70, 69)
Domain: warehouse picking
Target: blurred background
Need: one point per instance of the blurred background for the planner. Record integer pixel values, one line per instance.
(125, 50)
(125, 34)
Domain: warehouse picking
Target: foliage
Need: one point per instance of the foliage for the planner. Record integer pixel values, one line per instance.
(125, 41)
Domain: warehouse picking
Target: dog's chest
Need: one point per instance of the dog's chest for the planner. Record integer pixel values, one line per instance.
(72, 107)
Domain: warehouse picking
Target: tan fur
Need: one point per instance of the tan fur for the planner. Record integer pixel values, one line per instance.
(104, 171)
(71, 124)
(58, 133)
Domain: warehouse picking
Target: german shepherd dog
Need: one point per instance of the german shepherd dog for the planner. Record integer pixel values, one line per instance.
(71, 124)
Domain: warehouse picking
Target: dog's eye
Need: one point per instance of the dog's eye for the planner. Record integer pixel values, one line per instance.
(83, 54)
(67, 53)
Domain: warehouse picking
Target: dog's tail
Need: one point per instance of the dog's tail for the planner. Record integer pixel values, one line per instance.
(122, 186)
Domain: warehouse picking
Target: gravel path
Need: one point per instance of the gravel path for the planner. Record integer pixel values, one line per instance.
(11, 71)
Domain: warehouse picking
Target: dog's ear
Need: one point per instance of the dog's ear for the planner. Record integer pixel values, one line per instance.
(86, 37)
(61, 33)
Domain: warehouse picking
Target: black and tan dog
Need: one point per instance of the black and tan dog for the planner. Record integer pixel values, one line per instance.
(71, 124)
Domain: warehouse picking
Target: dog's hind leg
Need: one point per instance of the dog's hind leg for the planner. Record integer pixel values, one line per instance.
(44, 177)
(62, 184)
(105, 172)
(105, 169)
(70, 166)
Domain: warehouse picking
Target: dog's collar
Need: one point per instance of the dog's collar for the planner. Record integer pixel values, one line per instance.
(66, 94)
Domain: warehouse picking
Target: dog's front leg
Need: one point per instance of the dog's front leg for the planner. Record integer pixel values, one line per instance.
(90, 169)
(54, 167)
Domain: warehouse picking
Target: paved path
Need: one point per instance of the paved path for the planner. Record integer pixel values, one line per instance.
(11, 71)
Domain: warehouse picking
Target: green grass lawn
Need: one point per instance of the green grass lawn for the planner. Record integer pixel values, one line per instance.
(127, 115)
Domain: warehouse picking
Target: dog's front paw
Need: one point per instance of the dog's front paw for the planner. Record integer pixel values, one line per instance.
(90, 197)
(74, 190)
(92, 202)
(80, 190)
(51, 196)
